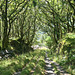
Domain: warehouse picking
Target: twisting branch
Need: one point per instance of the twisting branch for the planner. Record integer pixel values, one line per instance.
(55, 11)
(71, 4)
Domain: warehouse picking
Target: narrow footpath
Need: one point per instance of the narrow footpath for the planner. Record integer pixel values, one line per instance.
(48, 67)
(50, 70)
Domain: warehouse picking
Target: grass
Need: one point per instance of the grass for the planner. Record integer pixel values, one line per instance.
(36, 65)
(25, 63)
(0, 44)
(66, 56)
(15, 64)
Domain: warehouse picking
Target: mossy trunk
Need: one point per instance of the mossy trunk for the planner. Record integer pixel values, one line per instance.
(5, 34)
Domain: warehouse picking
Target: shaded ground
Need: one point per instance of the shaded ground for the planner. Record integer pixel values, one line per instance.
(51, 68)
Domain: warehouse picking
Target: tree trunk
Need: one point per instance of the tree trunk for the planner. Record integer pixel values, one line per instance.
(5, 35)
(73, 22)
(54, 36)
(22, 31)
(68, 23)
(22, 23)
(68, 27)
(58, 32)
(0, 30)
(54, 25)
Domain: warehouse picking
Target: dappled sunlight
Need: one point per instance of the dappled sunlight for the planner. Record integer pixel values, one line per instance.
(37, 37)
(25, 63)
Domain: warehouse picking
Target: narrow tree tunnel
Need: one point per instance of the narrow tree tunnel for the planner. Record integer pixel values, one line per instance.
(21, 19)
(28, 25)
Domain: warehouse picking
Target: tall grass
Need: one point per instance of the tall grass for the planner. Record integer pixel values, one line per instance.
(25, 63)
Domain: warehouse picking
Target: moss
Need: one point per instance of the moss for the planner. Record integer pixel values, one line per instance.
(66, 55)
(10, 66)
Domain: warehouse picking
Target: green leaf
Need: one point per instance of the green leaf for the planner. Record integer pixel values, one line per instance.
(34, 3)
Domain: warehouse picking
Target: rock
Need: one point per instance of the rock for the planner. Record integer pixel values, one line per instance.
(6, 53)
(0, 57)
(2, 53)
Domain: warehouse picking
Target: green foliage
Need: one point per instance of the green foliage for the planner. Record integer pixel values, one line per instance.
(37, 63)
(49, 42)
(19, 46)
(14, 64)
(69, 47)
(23, 18)
(25, 63)
(34, 3)
(65, 54)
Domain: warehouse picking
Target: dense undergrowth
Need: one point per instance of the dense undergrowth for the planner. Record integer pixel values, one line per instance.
(26, 63)
(33, 62)
(65, 53)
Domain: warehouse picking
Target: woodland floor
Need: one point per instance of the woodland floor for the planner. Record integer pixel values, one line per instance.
(51, 68)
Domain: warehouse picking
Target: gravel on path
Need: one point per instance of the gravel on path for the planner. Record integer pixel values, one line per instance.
(49, 69)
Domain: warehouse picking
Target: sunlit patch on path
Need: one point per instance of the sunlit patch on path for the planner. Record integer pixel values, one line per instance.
(50, 69)
(17, 73)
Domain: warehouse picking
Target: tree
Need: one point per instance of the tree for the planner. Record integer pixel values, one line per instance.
(8, 19)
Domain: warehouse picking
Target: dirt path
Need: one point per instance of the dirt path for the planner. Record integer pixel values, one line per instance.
(50, 69)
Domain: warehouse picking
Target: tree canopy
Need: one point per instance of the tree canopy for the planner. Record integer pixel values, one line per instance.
(22, 18)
